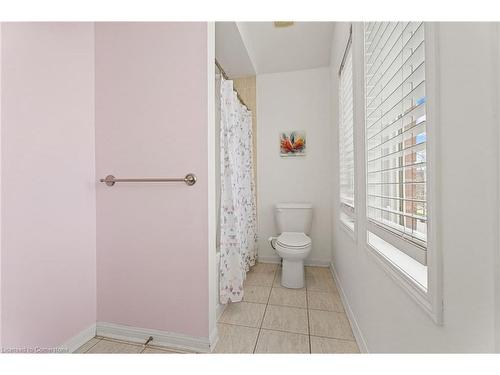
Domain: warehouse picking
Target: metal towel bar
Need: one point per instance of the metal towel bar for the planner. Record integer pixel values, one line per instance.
(189, 179)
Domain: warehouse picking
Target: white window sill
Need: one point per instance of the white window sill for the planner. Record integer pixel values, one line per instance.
(348, 227)
(412, 269)
(409, 274)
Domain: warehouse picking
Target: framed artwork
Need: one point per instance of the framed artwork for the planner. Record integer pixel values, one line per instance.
(292, 143)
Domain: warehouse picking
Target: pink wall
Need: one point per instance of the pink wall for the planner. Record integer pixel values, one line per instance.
(1, 210)
(151, 120)
(48, 250)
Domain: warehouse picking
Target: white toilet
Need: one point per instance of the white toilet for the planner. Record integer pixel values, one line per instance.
(293, 244)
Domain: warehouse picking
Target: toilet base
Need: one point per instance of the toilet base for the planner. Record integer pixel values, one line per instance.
(292, 274)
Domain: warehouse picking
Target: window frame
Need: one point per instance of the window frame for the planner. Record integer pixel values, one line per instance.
(431, 299)
(393, 233)
(344, 209)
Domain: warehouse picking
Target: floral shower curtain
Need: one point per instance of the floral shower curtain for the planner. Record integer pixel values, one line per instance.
(238, 213)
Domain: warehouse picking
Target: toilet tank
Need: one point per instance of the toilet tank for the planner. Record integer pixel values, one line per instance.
(293, 217)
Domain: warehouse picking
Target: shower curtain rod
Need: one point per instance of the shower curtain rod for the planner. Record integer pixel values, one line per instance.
(226, 77)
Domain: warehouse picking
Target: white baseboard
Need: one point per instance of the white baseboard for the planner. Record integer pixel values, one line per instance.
(269, 259)
(307, 262)
(358, 335)
(81, 338)
(160, 338)
(317, 262)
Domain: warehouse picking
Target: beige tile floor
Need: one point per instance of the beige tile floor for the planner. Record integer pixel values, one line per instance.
(270, 319)
(274, 319)
(102, 345)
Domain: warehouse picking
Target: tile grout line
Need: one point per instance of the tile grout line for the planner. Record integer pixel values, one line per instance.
(131, 343)
(265, 309)
(98, 341)
(108, 339)
(293, 332)
(334, 338)
(169, 349)
(307, 306)
(260, 327)
(320, 289)
(292, 306)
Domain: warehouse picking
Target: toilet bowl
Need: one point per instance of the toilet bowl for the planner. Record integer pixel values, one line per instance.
(293, 248)
(293, 244)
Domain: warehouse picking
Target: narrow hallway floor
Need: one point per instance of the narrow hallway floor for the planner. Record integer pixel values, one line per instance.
(274, 319)
(270, 319)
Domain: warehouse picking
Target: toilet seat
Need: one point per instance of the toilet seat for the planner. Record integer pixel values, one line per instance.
(293, 240)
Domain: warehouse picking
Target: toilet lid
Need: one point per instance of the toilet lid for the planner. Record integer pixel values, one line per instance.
(293, 239)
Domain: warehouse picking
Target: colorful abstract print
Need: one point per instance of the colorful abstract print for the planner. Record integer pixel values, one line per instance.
(292, 143)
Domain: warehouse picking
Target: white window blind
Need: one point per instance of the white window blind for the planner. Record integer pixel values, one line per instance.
(396, 135)
(346, 139)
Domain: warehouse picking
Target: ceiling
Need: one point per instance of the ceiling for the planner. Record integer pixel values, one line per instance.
(305, 45)
(230, 51)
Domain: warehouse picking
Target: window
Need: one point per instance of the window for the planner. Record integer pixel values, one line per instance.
(395, 109)
(346, 139)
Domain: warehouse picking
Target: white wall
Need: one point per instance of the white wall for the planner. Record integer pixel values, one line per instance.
(388, 319)
(216, 132)
(295, 101)
(497, 272)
